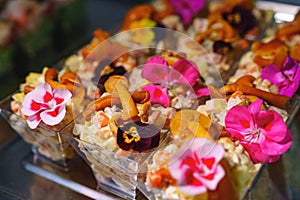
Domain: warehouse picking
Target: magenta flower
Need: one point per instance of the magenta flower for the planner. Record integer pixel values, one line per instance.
(263, 133)
(202, 92)
(196, 166)
(158, 94)
(187, 72)
(183, 72)
(287, 80)
(187, 8)
(43, 104)
(157, 70)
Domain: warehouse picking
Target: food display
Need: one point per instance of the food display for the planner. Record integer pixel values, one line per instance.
(44, 105)
(237, 137)
(227, 30)
(195, 116)
(272, 65)
(110, 134)
(128, 121)
(186, 101)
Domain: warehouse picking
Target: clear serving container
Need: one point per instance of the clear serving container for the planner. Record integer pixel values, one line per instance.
(243, 192)
(114, 171)
(47, 143)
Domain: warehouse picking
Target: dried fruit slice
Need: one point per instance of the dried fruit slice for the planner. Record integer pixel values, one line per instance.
(190, 123)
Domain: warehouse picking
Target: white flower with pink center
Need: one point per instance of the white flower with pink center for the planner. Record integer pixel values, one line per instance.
(43, 104)
(196, 166)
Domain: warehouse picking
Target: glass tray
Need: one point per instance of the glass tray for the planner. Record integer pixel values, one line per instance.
(274, 178)
(25, 176)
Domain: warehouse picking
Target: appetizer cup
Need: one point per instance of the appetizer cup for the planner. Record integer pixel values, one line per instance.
(41, 109)
(224, 168)
(47, 143)
(128, 122)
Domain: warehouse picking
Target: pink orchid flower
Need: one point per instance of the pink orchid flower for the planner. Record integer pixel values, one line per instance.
(158, 94)
(43, 104)
(287, 79)
(157, 70)
(196, 166)
(187, 8)
(263, 133)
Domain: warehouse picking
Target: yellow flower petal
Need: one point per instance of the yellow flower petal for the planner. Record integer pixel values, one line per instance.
(18, 97)
(143, 23)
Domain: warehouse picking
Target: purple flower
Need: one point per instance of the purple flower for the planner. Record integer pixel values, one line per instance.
(241, 19)
(287, 79)
(187, 8)
(138, 136)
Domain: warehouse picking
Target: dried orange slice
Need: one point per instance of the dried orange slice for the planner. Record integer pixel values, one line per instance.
(190, 123)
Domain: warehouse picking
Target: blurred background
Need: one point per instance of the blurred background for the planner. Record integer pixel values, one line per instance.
(39, 33)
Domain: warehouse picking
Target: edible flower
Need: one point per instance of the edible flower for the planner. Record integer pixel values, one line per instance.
(183, 72)
(263, 133)
(158, 94)
(186, 9)
(286, 79)
(157, 70)
(242, 19)
(196, 166)
(143, 23)
(138, 136)
(43, 104)
(142, 34)
(200, 92)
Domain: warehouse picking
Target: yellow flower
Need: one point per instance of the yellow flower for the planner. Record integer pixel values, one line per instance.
(143, 23)
(141, 35)
(18, 97)
(33, 78)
